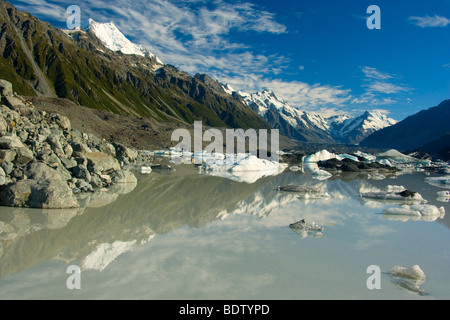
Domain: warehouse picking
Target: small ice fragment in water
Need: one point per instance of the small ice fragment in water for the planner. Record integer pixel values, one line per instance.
(413, 273)
(409, 278)
(302, 228)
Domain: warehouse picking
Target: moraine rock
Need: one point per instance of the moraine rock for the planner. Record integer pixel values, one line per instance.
(43, 194)
(101, 162)
(126, 155)
(6, 88)
(2, 177)
(123, 176)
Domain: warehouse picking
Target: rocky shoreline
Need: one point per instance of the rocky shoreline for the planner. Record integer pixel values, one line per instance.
(45, 163)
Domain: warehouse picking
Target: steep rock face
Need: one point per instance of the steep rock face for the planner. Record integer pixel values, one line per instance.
(39, 59)
(415, 131)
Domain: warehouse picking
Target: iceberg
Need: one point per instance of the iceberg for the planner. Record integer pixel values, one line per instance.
(321, 174)
(398, 158)
(443, 196)
(305, 192)
(423, 212)
(323, 155)
(394, 193)
(305, 230)
(441, 182)
(409, 278)
(242, 168)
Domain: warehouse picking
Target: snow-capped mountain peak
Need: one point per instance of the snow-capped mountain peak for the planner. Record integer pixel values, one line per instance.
(115, 40)
(311, 127)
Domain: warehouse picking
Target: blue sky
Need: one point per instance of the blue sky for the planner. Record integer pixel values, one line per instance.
(318, 55)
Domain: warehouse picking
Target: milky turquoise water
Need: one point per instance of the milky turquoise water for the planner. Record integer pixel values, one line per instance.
(182, 235)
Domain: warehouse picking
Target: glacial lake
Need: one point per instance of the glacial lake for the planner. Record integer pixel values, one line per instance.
(184, 235)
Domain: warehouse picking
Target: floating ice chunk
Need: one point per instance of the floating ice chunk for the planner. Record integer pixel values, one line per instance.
(441, 182)
(146, 170)
(243, 168)
(323, 155)
(404, 211)
(413, 273)
(392, 188)
(305, 192)
(424, 211)
(322, 173)
(409, 278)
(443, 194)
(395, 193)
(366, 156)
(347, 156)
(295, 169)
(304, 229)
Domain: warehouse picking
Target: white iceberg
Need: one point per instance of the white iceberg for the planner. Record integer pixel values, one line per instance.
(367, 156)
(323, 155)
(305, 192)
(321, 174)
(242, 168)
(347, 156)
(443, 196)
(413, 273)
(441, 182)
(394, 193)
(422, 211)
(409, 278)
(396, 157)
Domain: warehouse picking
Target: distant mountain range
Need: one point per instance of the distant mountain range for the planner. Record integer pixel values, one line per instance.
(427, 130)
(310, 127)
(100, 68)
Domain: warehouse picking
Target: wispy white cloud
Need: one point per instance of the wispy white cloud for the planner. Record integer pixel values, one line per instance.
(385, 87)
(196, 37)
(427, 21)
(373, 73)
(380, 82)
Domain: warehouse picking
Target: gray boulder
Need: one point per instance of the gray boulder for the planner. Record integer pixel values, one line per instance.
(23, 155)
(123, 176)
(7, 156)
(44, 194)
(2, 177)
(41, 171)
(15, 103)
(10, 142)
(128, 155)
(6, 88)
(7, 166)
(3, 126)
(81, 172)
(63, 122)
(101, 162)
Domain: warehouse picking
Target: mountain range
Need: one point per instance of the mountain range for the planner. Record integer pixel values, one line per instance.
(100, 68)
(310, 127)
(39, 59)
(427, 131)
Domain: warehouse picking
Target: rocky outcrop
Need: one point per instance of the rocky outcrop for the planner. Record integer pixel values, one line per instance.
(44, 163)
